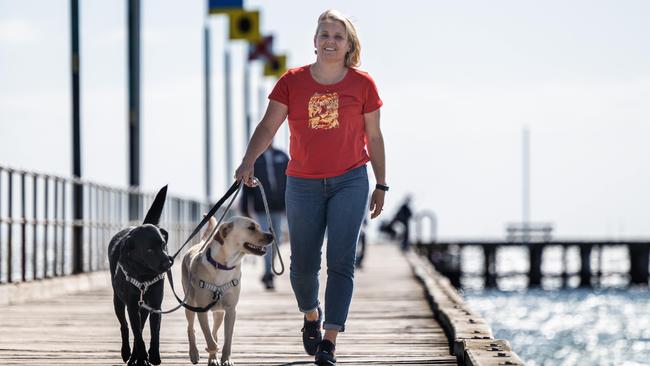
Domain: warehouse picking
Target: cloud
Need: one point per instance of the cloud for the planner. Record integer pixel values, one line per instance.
(17, 32)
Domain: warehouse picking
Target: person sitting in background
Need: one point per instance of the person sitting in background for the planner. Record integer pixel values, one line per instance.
(270, 169)
(403, 216)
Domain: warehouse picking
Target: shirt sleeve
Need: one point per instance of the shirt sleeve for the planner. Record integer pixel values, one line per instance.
(372, 101)
(280, 92)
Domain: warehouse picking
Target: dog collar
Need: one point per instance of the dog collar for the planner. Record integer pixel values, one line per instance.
(216, 264)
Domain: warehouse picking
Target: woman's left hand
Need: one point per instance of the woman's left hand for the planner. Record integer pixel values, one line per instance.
(377, 203)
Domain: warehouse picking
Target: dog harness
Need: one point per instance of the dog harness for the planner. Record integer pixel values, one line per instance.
(217, 291)
(142, 286)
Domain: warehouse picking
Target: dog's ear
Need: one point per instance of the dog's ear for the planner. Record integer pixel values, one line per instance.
(127, 246)
(212, 223)
(155, 211)
(164, 233)
(223, 232)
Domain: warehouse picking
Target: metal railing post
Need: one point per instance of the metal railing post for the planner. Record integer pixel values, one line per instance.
(1, 220)
(55, 225)
(35, 225)
(46, 219)
(23, 229)
(10, 244)
(64, 223)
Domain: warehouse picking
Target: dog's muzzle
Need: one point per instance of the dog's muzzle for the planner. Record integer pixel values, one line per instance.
(255, 249)
(166, 263)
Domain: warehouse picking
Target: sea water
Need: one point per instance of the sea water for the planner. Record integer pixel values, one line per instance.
(555, 326)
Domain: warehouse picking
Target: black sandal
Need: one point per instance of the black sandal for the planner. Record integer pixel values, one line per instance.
(325, 354)
(311, 335)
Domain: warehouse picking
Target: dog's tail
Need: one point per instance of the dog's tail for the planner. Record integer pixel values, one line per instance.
(212, 223)
(155, 211)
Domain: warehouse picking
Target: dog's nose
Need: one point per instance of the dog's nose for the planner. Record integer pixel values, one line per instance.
(269, 237)
(167, 263)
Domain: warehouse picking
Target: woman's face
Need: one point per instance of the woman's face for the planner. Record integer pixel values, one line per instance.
(331, 41)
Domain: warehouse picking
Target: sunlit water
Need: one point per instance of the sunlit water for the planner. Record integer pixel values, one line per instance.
(554, 326)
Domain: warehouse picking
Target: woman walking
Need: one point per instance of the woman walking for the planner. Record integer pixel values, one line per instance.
(333, 113)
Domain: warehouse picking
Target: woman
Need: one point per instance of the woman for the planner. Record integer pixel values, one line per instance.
(333, 113)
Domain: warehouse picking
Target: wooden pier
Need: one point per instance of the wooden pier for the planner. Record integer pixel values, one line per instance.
(390, 323)
(440, 253)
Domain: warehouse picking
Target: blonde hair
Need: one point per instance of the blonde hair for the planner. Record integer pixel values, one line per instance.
(352, 57)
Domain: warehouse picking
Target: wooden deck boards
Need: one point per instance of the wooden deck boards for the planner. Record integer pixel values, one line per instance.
(390, 323)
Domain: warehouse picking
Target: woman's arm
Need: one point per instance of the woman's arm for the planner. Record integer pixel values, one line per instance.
(275, 114)
(377, 159)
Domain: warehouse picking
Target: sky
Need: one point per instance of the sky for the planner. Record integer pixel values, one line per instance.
(460, 80)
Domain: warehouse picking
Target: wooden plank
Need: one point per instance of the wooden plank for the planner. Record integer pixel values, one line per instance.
(390, 323)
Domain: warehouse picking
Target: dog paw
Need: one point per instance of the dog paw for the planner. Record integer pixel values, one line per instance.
(126, 352)
(194, 355)
(138, 362)
(227, 362)
(213, 363)
(154, 358)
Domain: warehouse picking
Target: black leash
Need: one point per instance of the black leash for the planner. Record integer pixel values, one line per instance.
(206, 218)
(190, 307)
(234, 188)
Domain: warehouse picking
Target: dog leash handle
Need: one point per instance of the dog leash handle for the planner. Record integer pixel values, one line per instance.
(276, 250)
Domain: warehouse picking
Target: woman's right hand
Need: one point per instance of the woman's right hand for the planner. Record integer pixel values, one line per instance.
(245, 174)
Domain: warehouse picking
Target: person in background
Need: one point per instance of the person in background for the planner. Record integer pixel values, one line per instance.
(270, 169)
(403, 216)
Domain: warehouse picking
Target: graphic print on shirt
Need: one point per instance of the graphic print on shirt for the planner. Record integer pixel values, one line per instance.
(324, 111)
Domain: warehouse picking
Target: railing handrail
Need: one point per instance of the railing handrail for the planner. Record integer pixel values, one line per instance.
(107, 187)
(42, 236)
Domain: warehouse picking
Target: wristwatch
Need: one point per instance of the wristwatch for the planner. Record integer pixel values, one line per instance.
(381, 187)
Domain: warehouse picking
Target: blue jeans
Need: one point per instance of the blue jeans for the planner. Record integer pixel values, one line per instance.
(338, 205)
(276, 221)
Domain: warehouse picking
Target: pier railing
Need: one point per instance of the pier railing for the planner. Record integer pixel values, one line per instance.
(447, 256)
(37, 225)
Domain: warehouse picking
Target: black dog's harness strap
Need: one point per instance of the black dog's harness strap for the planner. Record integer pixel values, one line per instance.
(142, 286)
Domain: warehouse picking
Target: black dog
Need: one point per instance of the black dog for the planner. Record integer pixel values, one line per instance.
(138, 260)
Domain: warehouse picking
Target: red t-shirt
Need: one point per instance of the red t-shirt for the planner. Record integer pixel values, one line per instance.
(328, 136)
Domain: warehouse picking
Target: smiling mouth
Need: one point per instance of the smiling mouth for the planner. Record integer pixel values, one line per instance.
(255, 249)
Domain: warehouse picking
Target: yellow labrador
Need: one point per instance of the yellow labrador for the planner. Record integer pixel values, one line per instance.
(212, 275)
